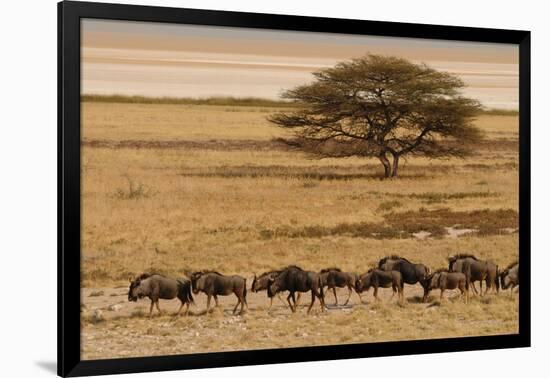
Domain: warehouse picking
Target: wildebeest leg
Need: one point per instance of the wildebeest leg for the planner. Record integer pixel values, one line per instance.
(488, 285)
(335, 297)
(289, 302)
(313, 295)
(239, 300)
(426, 293)
(349, 295)
(441, 295)
(279, 297)
(462, 293)
(393, 290)
(208, 303)
(181, 306)
(297, 302)
(473, 286)
(240, 296)
(321, 300)
(157, 305)
(151, 308)
(375, 293)
(216, 300)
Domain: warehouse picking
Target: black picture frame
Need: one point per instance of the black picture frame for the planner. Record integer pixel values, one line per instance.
(69, 15)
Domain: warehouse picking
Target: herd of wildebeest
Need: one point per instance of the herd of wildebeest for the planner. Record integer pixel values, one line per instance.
(392, 271)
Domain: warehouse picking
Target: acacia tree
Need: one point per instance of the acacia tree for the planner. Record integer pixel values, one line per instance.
(384, 107)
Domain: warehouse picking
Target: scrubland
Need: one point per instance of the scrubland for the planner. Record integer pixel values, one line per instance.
(174, 188)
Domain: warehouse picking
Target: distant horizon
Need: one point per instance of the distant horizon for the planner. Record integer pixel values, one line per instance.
(190, 61)
(214, 100)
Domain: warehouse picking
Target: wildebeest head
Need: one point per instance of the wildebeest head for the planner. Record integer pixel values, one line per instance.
(262, 282)
(433, 280)
(363, 283)
(196, 282)
(274, 285)
(505, 280)
(135, 292)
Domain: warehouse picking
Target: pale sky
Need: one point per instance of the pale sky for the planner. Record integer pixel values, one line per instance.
(157, 59)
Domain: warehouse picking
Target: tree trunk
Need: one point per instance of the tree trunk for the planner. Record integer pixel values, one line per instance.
(386, 163)
(395, 165)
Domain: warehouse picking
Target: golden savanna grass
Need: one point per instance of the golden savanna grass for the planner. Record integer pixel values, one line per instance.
(180, 187)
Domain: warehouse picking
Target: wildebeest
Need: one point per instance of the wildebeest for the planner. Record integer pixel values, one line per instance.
(213, 284)
(334, 277)
(476, 270)
(297, 280)
(411, 273)
(444, 280)
(380, 278)
(261, 282)
(509, 278)
(156, 286)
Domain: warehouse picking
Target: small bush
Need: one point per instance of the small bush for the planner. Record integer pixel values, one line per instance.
(388, 205)
(134, 191)
(310, 184)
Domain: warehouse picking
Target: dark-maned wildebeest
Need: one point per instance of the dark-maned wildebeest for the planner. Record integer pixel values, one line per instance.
(261, 282)
(444, 280)
(509, 278)
(298, 280)
(411, 273)
(381, 278)
(476, 270)
(156, 286)
(334, 277)
(213, 284)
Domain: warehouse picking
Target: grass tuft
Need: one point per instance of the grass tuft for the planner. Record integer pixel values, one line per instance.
(134, 191)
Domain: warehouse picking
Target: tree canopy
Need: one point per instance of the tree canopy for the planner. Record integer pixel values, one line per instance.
(381, 106)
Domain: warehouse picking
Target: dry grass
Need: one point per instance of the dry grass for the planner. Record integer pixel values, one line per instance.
(218, 196)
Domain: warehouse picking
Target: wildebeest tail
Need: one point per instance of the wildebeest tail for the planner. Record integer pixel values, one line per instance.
(497, 280)
(184, 291)
(244, 292)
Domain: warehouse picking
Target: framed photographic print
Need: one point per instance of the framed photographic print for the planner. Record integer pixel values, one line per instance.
(239, 188)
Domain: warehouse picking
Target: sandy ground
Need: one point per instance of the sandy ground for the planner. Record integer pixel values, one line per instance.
(125, 330)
